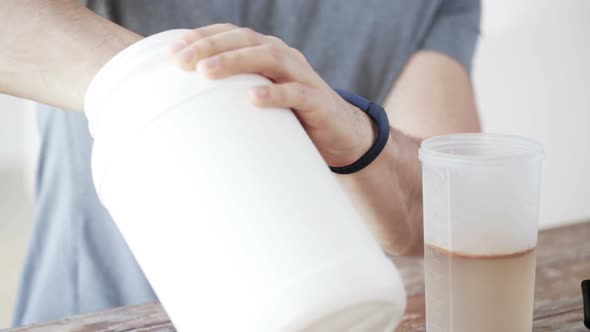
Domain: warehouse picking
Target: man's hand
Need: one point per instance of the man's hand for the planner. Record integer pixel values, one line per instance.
(387, 193)
(341, 132)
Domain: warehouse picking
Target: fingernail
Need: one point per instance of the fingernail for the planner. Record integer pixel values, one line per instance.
(177, 47)
(261, 92)
(208, 64)
(187, 56)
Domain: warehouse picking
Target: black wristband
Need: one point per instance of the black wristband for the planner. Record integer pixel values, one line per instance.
(378, 115)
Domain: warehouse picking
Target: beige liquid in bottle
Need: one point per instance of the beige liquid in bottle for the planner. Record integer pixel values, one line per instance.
(468, 293)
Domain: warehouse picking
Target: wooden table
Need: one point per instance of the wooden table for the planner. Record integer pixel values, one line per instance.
(563, 261)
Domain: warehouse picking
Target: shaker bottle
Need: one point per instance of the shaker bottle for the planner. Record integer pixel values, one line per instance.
(229, 209)
(481, 208)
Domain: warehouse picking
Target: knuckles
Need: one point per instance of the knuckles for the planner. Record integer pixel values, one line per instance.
(276, 53)
(208, 43)
(250, 34)
(301, 92)
(191, 36)
(228, 26)
(298, 54)
(275, 40)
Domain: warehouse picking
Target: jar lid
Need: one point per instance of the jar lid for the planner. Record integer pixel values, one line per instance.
(144, 80)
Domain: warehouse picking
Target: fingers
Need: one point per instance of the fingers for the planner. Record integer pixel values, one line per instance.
(292, 95)
(223, 50)
(203, 32)
(218, 43)
(322, 113)
(315, 106)
(187, 55)
(212, 40)
(266, 60)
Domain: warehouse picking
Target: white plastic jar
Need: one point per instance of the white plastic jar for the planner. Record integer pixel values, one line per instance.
(229, 209)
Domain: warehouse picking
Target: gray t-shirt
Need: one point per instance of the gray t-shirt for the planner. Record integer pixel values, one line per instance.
(77, 260)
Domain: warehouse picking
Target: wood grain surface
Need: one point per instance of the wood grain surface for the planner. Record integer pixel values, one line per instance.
(563, 261)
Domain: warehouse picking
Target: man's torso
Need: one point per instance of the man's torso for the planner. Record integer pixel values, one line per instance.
(78, 261)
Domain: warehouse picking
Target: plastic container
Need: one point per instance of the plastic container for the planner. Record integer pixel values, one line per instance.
(229, 209)
(481, 211)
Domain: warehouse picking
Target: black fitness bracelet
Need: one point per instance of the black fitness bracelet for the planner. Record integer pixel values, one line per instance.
(378, 115)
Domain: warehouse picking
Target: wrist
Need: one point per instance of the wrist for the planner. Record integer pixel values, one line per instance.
(367, 129)
(355, 139)
(371, 128)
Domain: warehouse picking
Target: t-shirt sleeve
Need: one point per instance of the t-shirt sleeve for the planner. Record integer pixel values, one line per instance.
(455, 30)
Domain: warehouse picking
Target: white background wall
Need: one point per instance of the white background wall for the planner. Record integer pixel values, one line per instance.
(18, 149)
(532, 78)
(18, 135)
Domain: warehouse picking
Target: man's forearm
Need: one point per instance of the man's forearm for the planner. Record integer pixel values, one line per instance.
(51, 49)
(433, 96)
(388, 194)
